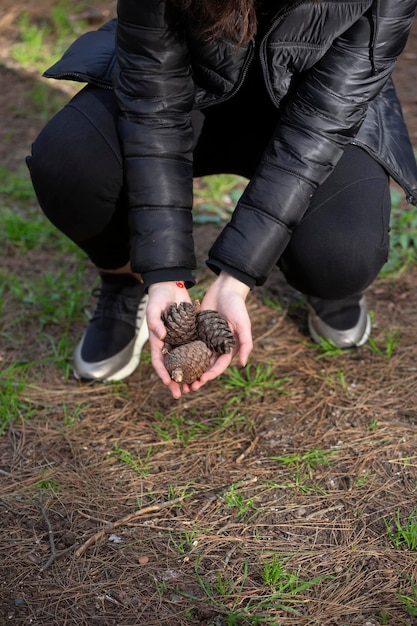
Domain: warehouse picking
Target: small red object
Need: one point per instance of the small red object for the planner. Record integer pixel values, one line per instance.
(180, 284)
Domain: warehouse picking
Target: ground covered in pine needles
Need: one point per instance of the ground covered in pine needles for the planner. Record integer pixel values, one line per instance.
(284, 493)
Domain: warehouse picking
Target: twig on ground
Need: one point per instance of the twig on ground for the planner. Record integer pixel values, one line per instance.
(91, 518)
(126, 520)
(322, 512)
(154, 508)
(270, 331)
(55, 554)
(58, 554)
(25, 483)
(51, 537)
(248, 450)
(17, 438)
(204, 508)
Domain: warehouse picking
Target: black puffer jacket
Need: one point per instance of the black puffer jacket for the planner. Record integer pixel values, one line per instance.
(326, 66)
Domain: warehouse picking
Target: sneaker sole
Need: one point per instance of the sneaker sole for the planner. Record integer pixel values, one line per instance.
(129, 368)
(319, 338)
(132, 364)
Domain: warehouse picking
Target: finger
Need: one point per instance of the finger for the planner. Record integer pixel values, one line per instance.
(245, 344)
(218, 367)
(162, 372)
(158, 329)
(196, 385)
(175, 389)
(244, 352)
(158, 359)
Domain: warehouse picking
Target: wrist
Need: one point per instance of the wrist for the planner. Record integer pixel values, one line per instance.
(168, 276)
(227, 281)
(169, 285)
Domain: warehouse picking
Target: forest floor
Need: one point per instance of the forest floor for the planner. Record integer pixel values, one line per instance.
(284, 493)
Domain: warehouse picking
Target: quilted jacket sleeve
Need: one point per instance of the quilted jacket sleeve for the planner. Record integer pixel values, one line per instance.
(325, 113)
(155, 93)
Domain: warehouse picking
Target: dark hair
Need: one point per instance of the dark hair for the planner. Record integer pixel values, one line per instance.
(230, 19)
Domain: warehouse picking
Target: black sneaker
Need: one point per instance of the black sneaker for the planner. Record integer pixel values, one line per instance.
(111, 346)
(345, 322)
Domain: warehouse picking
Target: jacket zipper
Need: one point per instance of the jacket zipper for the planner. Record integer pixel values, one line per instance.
(76, 77)
(236, 88)
(262, 47)
(410, 198)
(251, 53)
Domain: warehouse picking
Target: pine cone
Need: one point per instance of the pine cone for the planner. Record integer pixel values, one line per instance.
(180, 322)
(186, 363)
(214, 330)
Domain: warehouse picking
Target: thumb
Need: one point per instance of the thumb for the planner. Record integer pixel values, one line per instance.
(156, 328)
(245, 346)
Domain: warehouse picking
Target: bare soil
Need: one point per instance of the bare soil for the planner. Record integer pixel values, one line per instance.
(188, 496)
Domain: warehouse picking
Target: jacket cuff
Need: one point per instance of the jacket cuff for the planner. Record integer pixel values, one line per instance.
(172, 274)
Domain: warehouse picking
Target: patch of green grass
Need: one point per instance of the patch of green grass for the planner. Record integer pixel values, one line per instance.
(70, 416)
(403, 534)
(47, 101)
(51, 300)
(302, 467)
(391, 342)
(326, 348)
(48, 483)
(41, 43)
(238, 501)
(184, 541)
(336, 379)
(273, 303)
(198, 291)
(2, 290)
(13, 382)
(373, 425)
(176, 428)
(52, 297)
(146, 356)
(23, 225)
(135, 461)
(383, 617)
(15, 187)
(277, 577)
(215, 197)
(26, 233)
(403, 236)
(361, 480)
(254, 380)
(60, 352)
(409, 598)
(174, 492)
(229, 418)
(226, 593)
(309, 460)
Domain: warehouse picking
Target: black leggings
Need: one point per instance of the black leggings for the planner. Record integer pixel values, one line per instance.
(337, 249)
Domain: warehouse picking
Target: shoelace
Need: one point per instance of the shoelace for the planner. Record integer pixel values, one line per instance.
(116, 305)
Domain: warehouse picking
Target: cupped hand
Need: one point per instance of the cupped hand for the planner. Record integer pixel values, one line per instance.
(227, 296)
(161, 296)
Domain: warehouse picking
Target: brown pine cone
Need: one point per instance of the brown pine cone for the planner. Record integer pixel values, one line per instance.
(188, 362)
(213, 329)
(180, 322)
